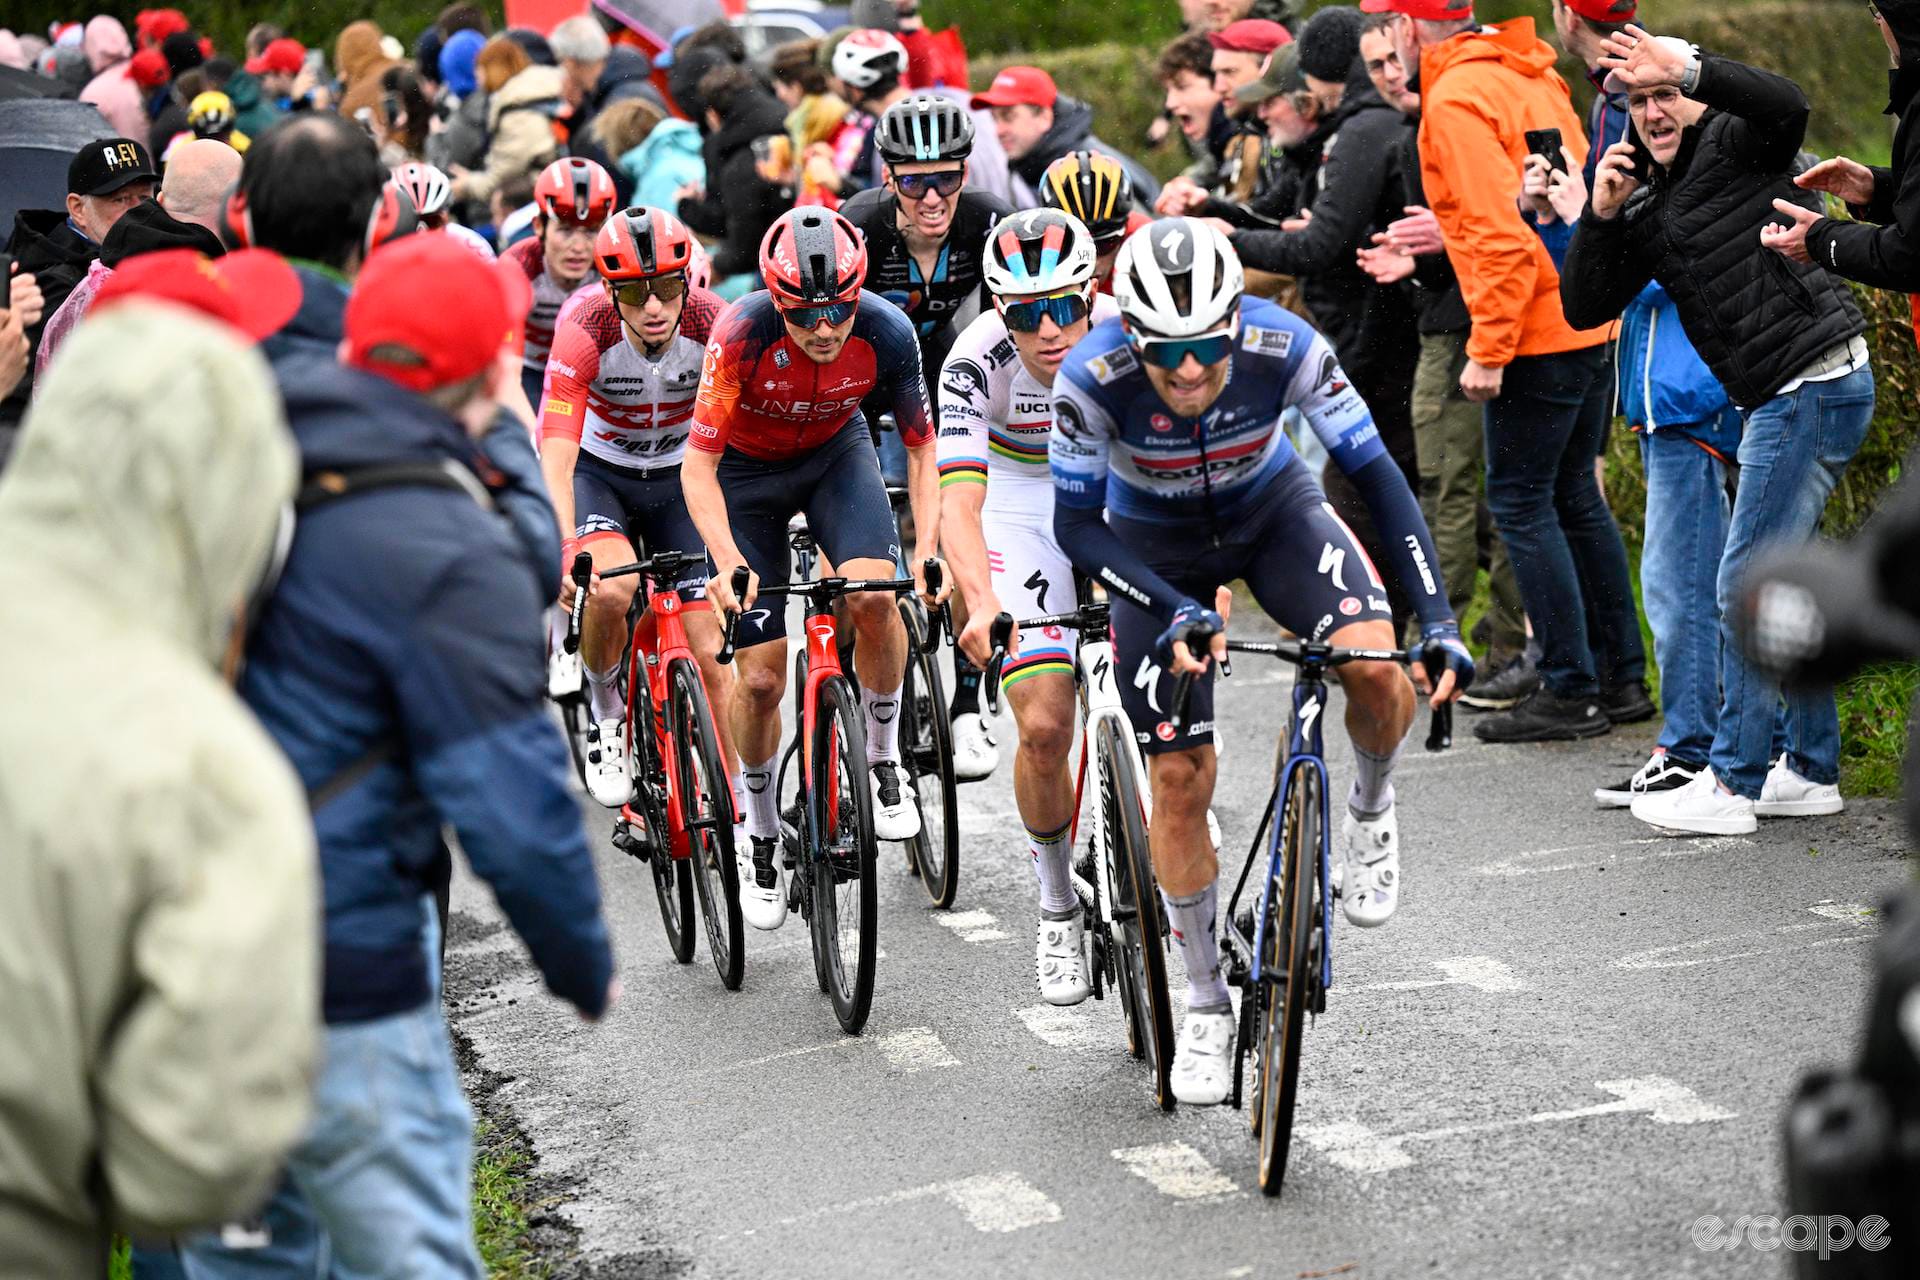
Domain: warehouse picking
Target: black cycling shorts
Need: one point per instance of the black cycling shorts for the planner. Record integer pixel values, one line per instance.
(1302, 564)
(837, 487)
(647, 508)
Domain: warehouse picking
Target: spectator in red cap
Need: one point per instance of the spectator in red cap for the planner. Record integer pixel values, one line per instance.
(1037, 124)
(263, 88)
(153, 26)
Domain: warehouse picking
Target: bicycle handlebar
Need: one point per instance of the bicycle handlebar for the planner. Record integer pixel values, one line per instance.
(1000, 634)
(582, 575)
(739, 585)
(940, 618)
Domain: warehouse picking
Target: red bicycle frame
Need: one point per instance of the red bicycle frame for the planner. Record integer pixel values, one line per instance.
(659, 638)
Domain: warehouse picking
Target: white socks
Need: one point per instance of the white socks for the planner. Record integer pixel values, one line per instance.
(1052, 857)
(763, 806)
(1191, 919)
(1372, 793)
(883, 724)
(603, 689)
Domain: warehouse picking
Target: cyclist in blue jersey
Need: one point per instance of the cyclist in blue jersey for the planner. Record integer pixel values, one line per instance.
(1171, 477)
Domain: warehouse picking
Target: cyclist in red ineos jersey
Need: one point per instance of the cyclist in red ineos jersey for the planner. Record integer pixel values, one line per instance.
(572, 199)
(777, 430)
(619, 401)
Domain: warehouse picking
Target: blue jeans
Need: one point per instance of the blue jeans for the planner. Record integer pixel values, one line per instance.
(1794, 450)
(380, 1186)
(1543, 432)
(1686, 533)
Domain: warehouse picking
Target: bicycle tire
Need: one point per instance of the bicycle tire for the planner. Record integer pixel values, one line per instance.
(710, 851)
(672, 879)
(574, 718)
(926, 745)
(800, 882)
(1283, 1013)
(845, 895)
(1136, 909)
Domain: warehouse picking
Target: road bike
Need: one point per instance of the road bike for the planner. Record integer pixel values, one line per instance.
(829, 848)
(1125, 928)
(926, 739)
(1279, 949)
(680, 820)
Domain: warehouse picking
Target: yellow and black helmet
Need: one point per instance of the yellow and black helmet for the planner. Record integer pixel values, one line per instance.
(1094, 188)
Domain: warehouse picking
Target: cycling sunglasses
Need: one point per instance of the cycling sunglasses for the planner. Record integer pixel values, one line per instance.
(1169, 353)
(636, 292)
(1064, 308)
(914, 186)
(834, 313)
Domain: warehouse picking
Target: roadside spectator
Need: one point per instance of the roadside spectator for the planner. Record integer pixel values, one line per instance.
(14, 358)
(817, 120)
(359, 62)
(661, 155)
(513, 211)
(167, 108)
(1241, 53)
(523, 100)
(738, 205)
(462, 144)
(262, 89)
(1037, 124)
(166, 967)
(1185, 70)
(596, 76)
(112, 88)
(146, 228)
(1886, 256)
(1448, 429)
(869, 71)
(1216, 15)
(1785, 340)
(104, 179)
(197, 182)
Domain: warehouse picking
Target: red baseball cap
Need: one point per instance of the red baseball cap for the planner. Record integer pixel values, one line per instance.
(1604, 10)
(254, 290)
(1018, 86)
(1250, 35)
(284, 56)
(399, 323)
(1426, 10)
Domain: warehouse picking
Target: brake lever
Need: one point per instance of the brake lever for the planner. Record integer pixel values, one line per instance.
(942, 615)
(1440, 725)
(582, 575)
(1001, 633)
(739, 585)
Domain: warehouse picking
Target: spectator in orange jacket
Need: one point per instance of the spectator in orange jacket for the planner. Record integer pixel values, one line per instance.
(1546, 386)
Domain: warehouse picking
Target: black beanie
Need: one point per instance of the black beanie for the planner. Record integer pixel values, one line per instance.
(182, 52)
(148, 228)
(1330, 43)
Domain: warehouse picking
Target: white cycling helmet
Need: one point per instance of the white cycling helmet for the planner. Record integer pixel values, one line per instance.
(428, 186)
(1178, 278)
(1038, 251)
(864, 58)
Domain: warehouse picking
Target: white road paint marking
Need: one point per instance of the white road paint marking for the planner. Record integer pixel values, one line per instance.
(991, 1202)
(1646, 850)
(1482, 973)
(915, 1049)
(1176, 1169)
(971, 926)
(1354, 1146)
(1861, 922)
(1064, 1028)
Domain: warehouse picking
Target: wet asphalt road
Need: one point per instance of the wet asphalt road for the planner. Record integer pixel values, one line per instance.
(1573, 1041)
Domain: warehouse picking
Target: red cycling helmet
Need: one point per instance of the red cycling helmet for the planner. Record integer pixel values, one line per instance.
(640, 243)
(393, 215)
(812, 257)
(574, 190)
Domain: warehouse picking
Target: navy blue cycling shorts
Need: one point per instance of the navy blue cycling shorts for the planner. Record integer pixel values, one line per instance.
(647, 508)
(1301, 562)
(837, 487)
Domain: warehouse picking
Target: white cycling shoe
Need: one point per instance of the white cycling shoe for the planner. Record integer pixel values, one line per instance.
(975, 754)
(763, 900)
(895, 815)
(1369, 886)
(609, 780)
(1059, 961)
(1203, 1065)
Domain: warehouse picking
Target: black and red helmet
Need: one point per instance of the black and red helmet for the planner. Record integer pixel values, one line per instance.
(393, 215)
(574, 190)
(640, 243)
(812, 257)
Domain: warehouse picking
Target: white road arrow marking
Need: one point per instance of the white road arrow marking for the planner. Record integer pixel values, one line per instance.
(915, 1049)
(1611, 853)
(971, 926)
(1065, 1028)
(993, 1202)
(1482, 973)
(1354, 1146)
(1176, 1169)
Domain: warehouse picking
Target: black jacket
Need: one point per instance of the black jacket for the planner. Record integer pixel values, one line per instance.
(44, 243)
(1073, 131)
(624, 76)
(1443, 308)
(1886, 256)
(1756, 318)
(739, 204)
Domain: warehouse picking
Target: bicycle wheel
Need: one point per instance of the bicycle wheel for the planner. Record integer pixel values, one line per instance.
(845, 901)
(707, 810)
(1136, 910)
(926, 745)
(1287, 967)
(672, 879)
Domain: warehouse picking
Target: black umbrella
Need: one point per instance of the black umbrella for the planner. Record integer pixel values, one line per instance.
(15, 83)
(657, 20)
(38, 137)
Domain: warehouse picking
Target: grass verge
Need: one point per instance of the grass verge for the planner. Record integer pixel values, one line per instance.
(503, 1200)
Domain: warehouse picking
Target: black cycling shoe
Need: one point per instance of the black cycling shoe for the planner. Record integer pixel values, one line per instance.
(1628, 703)
(1544, 716)
(1505, 688)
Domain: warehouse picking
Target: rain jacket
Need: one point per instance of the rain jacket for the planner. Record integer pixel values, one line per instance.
(667, 160)
(159, 957)
(520, 136)
(1664, 384)
(253, 115)
(45, 242)
(1480, 92)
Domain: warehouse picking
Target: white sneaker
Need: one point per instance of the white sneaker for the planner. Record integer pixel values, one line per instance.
(895, 816)
(1788, 795)
(1656, 775)
(1699, 807)
(1369, 888)
(763, 901)
(1058, 960)
(1203, 1065)
(975, 755)
(608, 779)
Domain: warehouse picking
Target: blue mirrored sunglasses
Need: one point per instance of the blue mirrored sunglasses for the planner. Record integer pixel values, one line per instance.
(914, 186)
(834, 313)
(1064, 308)
(1169, 353)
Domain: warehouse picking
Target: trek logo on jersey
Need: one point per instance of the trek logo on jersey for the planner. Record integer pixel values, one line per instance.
(1266, 342)
(1113, 366)
(965, 380)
